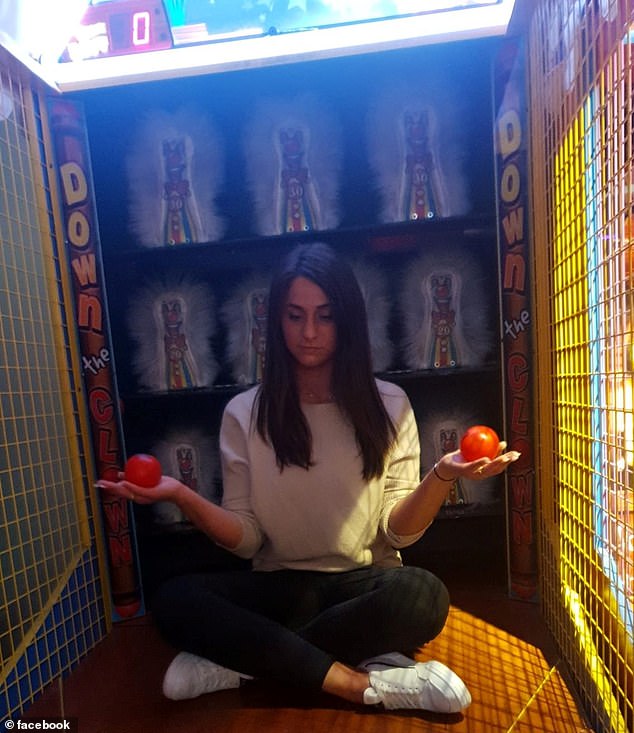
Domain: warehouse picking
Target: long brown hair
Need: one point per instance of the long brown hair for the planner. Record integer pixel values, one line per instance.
(280, 419)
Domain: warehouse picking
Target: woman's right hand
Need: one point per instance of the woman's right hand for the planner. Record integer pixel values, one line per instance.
(166, 490)
(223, 526)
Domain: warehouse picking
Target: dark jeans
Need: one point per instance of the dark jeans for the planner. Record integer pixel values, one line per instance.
(291, 625)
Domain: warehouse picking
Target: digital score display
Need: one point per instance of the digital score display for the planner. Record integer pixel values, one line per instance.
(174, 38)
(115, 29)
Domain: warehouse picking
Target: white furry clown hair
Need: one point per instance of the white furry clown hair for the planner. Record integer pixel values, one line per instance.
(431, 105)
(192, 457)
(471, 334)
(190, 335)
(321, 157)
(242, 315)
(202, 169)
(374, 290)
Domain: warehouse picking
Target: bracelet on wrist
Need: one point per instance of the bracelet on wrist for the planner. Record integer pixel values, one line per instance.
(439, 477)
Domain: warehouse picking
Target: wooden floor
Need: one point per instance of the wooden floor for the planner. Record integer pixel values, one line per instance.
(500, 647)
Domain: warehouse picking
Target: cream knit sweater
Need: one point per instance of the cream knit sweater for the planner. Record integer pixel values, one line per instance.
(327, 518)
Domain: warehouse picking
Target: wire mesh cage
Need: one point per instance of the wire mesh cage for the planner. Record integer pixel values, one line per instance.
(581, 76)
(51, 608)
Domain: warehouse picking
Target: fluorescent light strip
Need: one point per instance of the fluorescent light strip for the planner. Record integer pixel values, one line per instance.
(45, 73)
(474, 22)
(592, 659)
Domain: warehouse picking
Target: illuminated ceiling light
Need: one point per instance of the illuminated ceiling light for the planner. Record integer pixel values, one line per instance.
(474, 21)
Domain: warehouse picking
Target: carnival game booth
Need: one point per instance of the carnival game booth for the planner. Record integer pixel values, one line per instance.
(158, 159)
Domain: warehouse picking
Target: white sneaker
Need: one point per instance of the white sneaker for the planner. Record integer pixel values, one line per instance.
(424, 685)
(189, 676)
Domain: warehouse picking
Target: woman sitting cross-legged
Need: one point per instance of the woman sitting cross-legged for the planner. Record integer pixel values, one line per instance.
(321, 487)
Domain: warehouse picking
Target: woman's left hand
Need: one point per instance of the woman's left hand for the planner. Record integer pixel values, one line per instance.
(453, 465)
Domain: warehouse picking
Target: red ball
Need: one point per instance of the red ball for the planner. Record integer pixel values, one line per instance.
(479, 441)
(143, 469)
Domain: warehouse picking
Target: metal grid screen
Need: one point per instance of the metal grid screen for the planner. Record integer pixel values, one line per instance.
(581, 90)
(44, 527)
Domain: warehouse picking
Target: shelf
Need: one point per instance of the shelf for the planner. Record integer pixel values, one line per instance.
(399, 376)
(376, 239)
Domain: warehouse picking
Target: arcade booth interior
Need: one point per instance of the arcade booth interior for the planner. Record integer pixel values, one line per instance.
(158, 158)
